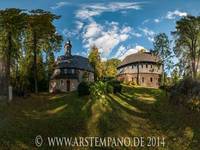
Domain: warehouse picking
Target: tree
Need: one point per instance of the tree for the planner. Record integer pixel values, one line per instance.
(175, 75)
(40, 31)
(111, 67)
(12, 25)
(95, 60)
(51, 45)
(162, 49)
(187, 43)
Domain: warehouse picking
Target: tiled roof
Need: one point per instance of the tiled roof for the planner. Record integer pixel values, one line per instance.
(140, 57)
(75, 61)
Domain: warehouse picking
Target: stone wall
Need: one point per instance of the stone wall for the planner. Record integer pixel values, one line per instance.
(145, 79)
(149, 74)
(62, 84)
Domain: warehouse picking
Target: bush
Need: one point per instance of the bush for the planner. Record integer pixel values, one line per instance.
(116, 86)
(83, 88)
(98, 90)
(186, 92)
(110, 88)
(57, 91)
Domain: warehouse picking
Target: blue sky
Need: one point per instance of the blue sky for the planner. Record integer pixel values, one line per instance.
(116, 27)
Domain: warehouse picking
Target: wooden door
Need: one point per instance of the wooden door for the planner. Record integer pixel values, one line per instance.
(68, 85)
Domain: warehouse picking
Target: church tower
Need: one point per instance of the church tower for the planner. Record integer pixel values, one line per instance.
(68, 48)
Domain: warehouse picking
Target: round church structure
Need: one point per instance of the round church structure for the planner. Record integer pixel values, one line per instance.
(142, 68)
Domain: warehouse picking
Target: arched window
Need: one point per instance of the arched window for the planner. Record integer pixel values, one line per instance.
(151, 79)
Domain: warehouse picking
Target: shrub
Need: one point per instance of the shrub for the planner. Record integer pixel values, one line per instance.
(98, 90)
(57, 91)
(83, 88)
(110, 88)
(116, 86)
(187, 93)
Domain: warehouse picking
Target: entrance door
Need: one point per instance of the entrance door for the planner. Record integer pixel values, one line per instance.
(68, 85)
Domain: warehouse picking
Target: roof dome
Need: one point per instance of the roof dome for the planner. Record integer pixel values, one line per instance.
(75, 61)
(140, 57)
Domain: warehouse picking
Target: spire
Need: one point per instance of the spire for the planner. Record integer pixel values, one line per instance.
(68, 48)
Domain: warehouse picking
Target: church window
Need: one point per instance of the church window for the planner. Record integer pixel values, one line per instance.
(73, 71)
(65, 70)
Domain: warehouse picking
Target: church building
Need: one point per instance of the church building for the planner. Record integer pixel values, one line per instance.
(69, 71)
(142, 68)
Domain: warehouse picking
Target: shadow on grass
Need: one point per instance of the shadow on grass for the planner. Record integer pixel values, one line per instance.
(179, 125)
(134, 112)
(43, 115)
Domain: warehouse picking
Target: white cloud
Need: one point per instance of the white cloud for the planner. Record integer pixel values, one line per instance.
(123, 51)
(156, 20)
(126, 29)
(59, 5)
(74, 32)
(79, 25)
(91, 10)
(108, 35)
(145, 21)
(148, 33)
(136, 34)
(69, 33)
(92, 30)
(105, 37)
(130, 30)
(174, 14)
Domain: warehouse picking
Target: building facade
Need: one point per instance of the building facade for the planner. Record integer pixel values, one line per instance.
(2, 79)
(142, 68)
(69, 71)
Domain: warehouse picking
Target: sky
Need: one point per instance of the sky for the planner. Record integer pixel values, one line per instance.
(117, 27)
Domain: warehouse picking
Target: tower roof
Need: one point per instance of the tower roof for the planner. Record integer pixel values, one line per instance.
(68, 47)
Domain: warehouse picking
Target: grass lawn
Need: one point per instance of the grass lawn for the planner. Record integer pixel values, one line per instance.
(136, 112)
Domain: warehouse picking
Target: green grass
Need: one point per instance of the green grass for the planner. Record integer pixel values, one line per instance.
(135, 112)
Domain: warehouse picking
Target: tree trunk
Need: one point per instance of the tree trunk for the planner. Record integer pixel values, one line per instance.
(47, 67)
(8, 59)
(163, 76)
(194, 71)
(35, 62)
